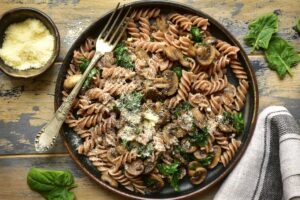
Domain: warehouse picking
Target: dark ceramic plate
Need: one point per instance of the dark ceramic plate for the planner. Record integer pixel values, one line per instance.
(71, 140)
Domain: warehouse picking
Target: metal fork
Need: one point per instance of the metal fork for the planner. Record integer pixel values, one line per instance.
(106, 42)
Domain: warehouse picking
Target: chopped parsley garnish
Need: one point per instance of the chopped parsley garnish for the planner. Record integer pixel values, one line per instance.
(172, 172)
(122, 56)
(199, 137)
(184, 106)
(207, 160)
(130, 101)
(196, 34)
(236, 119)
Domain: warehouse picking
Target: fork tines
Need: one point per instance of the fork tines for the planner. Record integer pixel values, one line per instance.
(116, 25)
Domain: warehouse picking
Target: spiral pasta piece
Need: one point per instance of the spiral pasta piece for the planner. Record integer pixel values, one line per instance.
(238, 70)
(198, 21)
(133, 30)
(227, 49)
(144, 28)
(185, 85)
(151, 46)
(181, 20)
(227, 156)
(150, 13)
(241, 94)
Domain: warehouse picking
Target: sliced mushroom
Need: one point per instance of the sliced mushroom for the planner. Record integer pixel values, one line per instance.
(121, 149)
(71, 81)
(112, 154)
(205, 55)
(199, 119)
(217, 156)
(172, 79)
(173, 53)
(149, 165)
(162, 23)
(198, 175)
(226, 128)
(108, 179)
(193, 166)
(159, 183)
(192, 51)
(200, 155)
(187, 146)
(152, 93)
(135, 168)
(210, 40)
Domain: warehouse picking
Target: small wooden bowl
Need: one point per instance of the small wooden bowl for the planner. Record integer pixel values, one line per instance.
(19, 15)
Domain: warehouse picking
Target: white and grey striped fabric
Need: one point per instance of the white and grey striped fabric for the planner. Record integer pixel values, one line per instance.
(270, 167)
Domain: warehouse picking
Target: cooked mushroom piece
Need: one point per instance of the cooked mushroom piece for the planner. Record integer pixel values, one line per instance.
(112, 154)
(198, 175)
(149, 165)
(193, 166)
(152, 93)
(226, 128)
(162, 23)
(191, 51)
(135, 168)
(172, 79)
(173, 53)
(205, 55)
(121, 149)
(108, 179)
(180, 133)
(217, 156)
(199, 119)
(200, 154)
(71, 81)
(187, 146)
(210, 40)
(142, 54)
(158, 182)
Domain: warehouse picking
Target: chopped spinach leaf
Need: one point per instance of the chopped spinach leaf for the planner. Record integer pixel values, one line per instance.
(89, 78)
(172, 172)
(130, 101)
(207, 160)
(236, 119)
(181, 107)
(199, 137)
(178, 71)
(196, 34)
(122, 56)
(83, 66)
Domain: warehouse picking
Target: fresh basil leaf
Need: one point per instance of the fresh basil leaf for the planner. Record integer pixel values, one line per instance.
(281, 56)
(51, 184)
(261, 30)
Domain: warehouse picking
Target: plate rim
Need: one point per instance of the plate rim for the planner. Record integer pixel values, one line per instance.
(251, 76)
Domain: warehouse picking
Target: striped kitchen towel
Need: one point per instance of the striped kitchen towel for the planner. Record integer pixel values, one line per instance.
(270, 167)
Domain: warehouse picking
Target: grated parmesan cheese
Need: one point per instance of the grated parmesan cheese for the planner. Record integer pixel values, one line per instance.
(27, 44)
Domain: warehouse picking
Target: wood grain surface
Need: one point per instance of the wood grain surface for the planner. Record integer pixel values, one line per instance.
(26, 105)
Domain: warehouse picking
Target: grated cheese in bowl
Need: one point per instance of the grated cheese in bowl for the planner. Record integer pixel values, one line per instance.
(27, 44)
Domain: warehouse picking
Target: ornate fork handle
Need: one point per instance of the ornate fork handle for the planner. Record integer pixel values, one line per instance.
(45, 139)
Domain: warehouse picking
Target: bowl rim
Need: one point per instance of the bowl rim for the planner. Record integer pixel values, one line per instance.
(56, 36)
(252, 122)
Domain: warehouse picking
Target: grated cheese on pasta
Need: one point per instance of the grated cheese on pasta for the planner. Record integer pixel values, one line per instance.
(27, 44)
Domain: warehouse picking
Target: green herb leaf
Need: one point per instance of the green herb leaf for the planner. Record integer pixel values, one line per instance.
(181, 107)
(187, 156)
(122, 56)
(207, 160)
(85, 63)
(261, 30)
(196, 34)
(199, 137)
(89, 78)
(130, 101)
(172, 172)
(298, 26)
(236, 119)
(281, 56)
(178, 71)
(145, 151)
(51, 184)
(148, 181)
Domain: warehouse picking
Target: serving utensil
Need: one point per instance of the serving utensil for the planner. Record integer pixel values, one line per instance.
(106, 42)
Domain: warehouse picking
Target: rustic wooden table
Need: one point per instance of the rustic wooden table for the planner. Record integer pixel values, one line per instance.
(28, 104)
